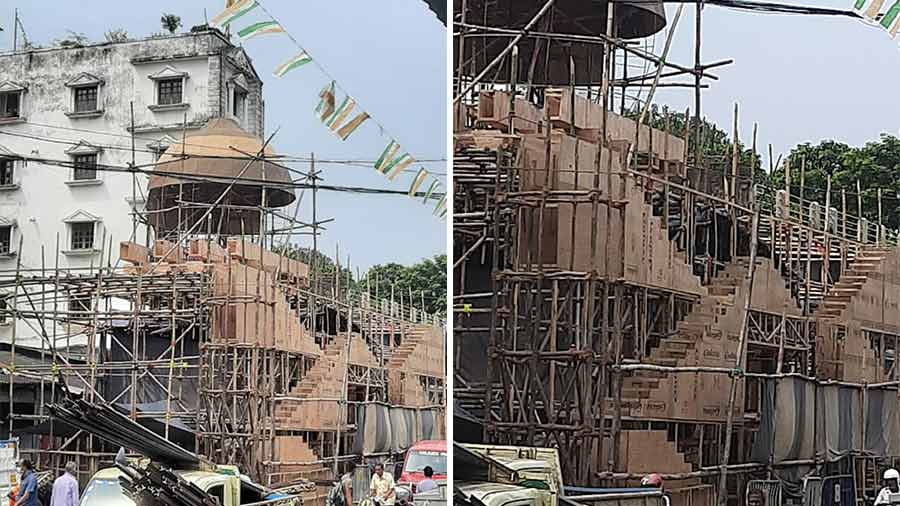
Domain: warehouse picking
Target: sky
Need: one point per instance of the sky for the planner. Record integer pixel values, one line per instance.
(801, 78)
(389, 55)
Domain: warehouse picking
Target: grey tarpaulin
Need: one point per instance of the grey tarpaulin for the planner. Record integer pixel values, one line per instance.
(838, 421)
(801, 419)
(765, 436)
(882, 436)
(381, 428)
(795, 401)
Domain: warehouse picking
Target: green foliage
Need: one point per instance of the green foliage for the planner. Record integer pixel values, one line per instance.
(116, 35)
(170, 22)
(325, 266)
(72, 39)
(875, 165)
(714, 141)
(426, 279)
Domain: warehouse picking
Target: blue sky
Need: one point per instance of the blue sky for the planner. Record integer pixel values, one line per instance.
(802, 78)
(390, 56)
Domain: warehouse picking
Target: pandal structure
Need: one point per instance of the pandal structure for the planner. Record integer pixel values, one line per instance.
(241, 354)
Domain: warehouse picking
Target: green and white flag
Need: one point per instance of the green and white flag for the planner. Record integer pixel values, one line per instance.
(261, 28)
(234, 12)
(296, 61)
(337, 117)
(417, 182)
(433, 186)
(390, 164)
(440, 208)
(336, 120)
(351, 126)
(326, 101)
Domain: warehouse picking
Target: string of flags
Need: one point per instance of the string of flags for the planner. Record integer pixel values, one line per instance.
(871, 10)
(342, 118)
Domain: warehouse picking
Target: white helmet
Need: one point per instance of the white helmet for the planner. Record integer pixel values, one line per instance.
(891, 474)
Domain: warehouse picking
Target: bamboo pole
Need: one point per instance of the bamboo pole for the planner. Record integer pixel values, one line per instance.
(740, 362)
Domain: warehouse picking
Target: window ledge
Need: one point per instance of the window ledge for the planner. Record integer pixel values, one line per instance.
(85, 114)
(9, 187)
(85, 182)
(168, 107)
(7, 256)
(10, 121)
(80, 252)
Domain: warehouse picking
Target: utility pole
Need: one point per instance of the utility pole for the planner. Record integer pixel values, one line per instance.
(15, 29)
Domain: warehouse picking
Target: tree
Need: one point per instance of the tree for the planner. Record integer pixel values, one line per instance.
(426, 280)
(875, 165)
(715, 141)
(170, 22)
(72, 39)
(116, 35)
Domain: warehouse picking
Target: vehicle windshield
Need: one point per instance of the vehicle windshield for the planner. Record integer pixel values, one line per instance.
(105, 493)
(417, 461)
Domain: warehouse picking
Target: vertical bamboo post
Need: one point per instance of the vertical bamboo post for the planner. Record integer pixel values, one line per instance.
(740, 361)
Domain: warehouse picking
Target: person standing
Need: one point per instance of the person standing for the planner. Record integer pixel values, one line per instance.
(65, 488)
(27, 494)
(381, 488)
(428, 483)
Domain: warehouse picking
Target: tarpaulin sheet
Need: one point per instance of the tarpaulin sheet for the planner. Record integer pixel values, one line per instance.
(381, 428)
(801, 419)
(882, 427)
(795, 401)
(838, 421)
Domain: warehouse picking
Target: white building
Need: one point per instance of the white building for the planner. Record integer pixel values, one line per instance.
(66, 139)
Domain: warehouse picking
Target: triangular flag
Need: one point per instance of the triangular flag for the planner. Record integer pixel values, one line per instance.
(434, 184)
(417, 182)
(340, 113)
(326, 102)
(440, 205)
(874, 8)
(234, 12)
(296, 61)
(261, 28)
(891, 15)
(352, 125)
(390, 164)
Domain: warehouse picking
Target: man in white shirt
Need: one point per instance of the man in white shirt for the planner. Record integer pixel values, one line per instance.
(891, 486)
(381, 487)
(428, 483)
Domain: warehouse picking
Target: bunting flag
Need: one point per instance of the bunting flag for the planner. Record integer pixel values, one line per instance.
(351, 126)
(231, 14)
(433, 186)
(261, 28)
(335, 120)
(326, 101)
(440, 207)
(296, 61)
(390, 164)
(870, 10)
(417, 182)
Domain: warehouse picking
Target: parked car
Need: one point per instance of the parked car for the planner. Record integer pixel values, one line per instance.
(431, 453)
(229, 488)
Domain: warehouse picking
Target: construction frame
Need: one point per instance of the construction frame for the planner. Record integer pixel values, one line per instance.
(218, 341)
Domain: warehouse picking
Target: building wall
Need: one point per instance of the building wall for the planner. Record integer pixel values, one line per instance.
(40, 201)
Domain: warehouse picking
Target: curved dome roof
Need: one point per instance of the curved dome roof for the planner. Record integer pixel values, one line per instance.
(216, 150)
(218, 153)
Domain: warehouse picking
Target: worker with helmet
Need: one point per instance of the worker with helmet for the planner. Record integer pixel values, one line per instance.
(652, 480)
(891, 486)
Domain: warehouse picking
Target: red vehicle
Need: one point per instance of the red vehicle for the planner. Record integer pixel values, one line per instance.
(424, 453)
